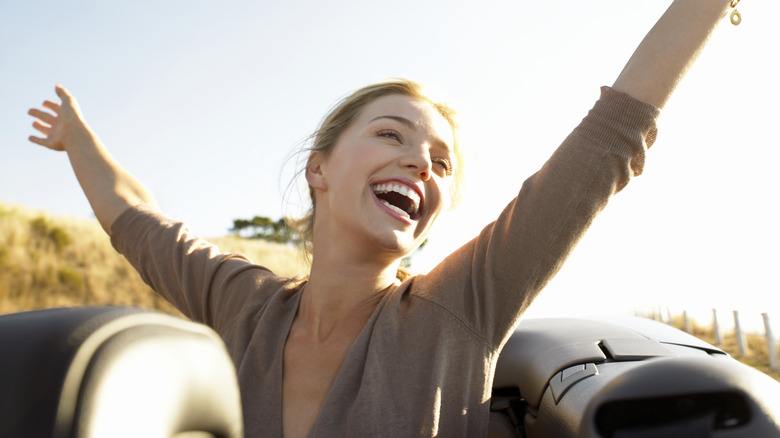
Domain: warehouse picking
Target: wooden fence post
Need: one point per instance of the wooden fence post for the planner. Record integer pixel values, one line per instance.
(741, 336)
(716, 328)
(770, 343)
(686, 322)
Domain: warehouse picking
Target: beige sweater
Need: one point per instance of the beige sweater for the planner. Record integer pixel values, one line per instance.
(423, 364)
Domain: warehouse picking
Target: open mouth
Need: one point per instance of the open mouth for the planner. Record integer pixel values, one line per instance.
(399, 198)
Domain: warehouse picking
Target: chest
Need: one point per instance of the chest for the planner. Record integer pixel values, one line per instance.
(411, 373)
(309, 370)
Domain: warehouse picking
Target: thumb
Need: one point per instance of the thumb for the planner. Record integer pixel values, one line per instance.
(63, 93)
(68, 101)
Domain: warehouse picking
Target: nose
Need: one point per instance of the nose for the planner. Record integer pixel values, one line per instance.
(418, 160)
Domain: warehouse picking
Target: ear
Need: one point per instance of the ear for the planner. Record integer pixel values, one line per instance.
(314, 174)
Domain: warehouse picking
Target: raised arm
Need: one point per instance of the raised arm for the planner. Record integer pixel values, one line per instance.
(110, 189)
(670, 49)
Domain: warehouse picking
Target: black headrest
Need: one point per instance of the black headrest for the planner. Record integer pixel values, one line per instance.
(116, 372)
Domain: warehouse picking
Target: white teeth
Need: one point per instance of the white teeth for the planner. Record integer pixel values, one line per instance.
(402, 190)
(395, 209)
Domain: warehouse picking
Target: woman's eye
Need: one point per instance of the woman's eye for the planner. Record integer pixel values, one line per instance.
(444, 165)
(389, 133)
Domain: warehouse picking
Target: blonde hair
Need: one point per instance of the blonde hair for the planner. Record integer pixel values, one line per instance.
(341, 116)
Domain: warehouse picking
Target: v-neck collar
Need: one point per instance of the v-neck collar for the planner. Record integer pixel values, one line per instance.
(362, 337)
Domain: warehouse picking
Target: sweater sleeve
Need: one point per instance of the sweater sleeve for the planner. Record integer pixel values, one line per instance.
(490, 281)
(205, 284)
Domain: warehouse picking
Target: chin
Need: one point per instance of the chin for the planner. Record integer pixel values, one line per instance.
(400, 247)
(398, 244)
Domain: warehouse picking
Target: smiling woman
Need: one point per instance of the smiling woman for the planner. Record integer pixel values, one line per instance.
(346, 111)
(351, 349)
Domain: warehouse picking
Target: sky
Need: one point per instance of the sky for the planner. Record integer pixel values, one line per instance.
(205, 103)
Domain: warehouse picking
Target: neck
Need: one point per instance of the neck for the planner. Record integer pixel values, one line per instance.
(342, 290)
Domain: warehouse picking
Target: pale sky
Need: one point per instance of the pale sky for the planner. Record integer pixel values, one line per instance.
(204, 101)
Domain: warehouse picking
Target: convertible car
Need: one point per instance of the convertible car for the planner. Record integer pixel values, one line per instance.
(121, 372)
(626, 378)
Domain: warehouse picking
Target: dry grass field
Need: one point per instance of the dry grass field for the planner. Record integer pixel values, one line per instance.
(757, 352)
(48, 261)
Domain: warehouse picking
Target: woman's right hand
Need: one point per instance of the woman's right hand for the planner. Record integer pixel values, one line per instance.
(62, 128)
(110, 189)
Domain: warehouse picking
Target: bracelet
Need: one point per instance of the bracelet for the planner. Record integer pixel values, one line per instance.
(735, 16)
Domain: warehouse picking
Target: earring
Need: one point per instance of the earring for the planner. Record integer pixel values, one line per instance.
(735, 16)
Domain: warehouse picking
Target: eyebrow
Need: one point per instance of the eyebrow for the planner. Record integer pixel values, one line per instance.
(413, 126)
(403, 120)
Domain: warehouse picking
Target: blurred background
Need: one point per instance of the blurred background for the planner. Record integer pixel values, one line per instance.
(205, 101)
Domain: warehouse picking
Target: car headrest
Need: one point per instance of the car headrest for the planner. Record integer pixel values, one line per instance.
(680, 397)
(119, 372)
(541, 348)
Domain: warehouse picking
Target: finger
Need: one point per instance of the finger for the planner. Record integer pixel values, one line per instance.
(38, 140)
(63, 93)
(43, 129)
(44, 116)
(52, 106)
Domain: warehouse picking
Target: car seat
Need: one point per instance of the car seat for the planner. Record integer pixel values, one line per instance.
(114, 372)
(625, 377)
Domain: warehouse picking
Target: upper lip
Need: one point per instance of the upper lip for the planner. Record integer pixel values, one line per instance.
(409, 185)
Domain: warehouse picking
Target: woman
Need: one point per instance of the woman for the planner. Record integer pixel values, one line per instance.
(354, 350)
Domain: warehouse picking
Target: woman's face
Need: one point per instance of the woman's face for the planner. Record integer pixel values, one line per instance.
(388, 176)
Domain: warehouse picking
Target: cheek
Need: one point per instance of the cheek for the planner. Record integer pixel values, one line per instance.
(359, 154)
(438, 197)
(447, 194)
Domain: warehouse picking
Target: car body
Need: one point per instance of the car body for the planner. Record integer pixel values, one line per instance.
(626, 377)
(123, 372)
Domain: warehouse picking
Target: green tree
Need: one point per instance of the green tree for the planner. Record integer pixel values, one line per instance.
(259, 227)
